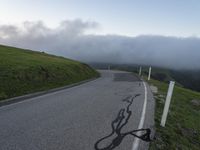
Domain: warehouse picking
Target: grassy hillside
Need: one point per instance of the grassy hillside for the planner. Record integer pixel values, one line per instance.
(188, 78)
(182, 129)
(25, 71)
(185, 78)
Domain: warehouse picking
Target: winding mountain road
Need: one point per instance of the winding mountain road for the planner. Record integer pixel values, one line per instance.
(103, 114)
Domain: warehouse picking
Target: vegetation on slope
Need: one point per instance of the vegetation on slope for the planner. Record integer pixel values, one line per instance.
(189, 79)
(25, 71)
(182, 129)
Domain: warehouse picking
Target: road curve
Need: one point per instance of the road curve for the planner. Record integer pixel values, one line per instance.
(99, 115)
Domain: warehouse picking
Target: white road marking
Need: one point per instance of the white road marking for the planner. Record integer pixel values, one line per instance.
(140, 126)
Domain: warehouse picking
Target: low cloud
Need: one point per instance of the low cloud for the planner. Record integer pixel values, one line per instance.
(69, 39)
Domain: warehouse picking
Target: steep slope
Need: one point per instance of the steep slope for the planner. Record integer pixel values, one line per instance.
(182, 130)
(25, 71)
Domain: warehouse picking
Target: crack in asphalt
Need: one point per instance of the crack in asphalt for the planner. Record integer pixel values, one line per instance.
(117, 125)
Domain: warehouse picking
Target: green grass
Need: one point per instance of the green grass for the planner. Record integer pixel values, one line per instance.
(25, 71)
(182, 129)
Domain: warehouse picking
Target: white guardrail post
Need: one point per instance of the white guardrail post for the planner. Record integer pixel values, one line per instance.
(167, 103)
(140, 71)
(108, 67)
(149, 76)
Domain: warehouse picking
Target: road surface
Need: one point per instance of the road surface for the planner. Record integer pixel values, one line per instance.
(99, 115)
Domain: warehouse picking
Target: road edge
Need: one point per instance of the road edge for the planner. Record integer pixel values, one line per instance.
(36, 94)
(151, 121)
(136, 141)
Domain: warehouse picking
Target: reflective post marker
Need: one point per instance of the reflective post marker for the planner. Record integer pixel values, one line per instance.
(140, 71)
(108, 67)
(167, 103)
(149, 76)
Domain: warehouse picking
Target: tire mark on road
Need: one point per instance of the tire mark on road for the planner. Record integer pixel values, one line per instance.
(120, 122)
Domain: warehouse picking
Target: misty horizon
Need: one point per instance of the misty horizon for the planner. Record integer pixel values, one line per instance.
(70, 39)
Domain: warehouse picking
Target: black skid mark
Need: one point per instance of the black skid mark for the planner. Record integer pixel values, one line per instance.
(117, 125)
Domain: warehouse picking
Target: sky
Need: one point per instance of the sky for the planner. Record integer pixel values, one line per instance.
(162, 33)
(122, 17)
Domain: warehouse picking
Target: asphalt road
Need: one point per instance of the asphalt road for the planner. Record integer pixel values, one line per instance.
(99, 115)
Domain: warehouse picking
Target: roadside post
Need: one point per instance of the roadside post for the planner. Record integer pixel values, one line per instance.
(108, 67)
(140, 71)
(149, 76)
(167, 103)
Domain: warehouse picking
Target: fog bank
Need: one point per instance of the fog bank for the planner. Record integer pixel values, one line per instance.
(70, 40)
